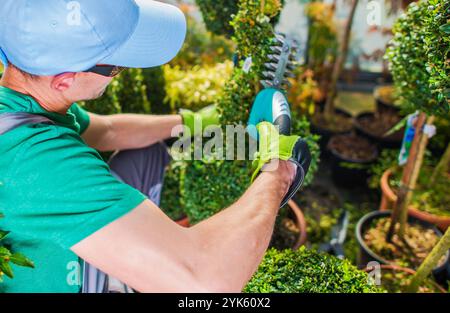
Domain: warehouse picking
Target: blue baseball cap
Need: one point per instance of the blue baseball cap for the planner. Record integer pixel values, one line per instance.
(49, 37)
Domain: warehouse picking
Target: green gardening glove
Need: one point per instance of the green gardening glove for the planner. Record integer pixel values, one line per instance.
(273, 146)
(196, 122)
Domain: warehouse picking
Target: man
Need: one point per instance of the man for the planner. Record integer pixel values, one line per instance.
(62, 203)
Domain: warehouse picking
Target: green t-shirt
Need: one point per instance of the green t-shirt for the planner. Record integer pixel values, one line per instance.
(54, 192)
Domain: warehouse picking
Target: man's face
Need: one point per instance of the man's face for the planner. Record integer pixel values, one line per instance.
(87, 86)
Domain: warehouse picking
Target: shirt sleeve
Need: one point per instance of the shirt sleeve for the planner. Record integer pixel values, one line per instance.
(64, 191)
(81, 116)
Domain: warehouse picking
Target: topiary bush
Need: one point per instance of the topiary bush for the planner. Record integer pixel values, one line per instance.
(418, 56)
(171, 197)
(306, 271)
(218, 14)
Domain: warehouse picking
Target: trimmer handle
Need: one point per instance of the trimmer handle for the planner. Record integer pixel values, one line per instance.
(281, 113)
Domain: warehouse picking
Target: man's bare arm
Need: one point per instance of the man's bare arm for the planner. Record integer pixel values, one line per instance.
(151, 253)
(128, 131)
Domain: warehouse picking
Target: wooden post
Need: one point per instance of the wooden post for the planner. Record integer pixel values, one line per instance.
(400, 211)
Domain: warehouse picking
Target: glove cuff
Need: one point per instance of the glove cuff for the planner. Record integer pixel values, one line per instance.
(190, 119)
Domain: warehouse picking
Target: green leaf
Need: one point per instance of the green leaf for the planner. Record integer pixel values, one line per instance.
(6, 268)
(397, 127)
(22, 260)
(3, 234)
(4, 252)
(445, 28)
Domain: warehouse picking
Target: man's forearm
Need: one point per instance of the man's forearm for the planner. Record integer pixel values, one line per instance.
(132, 131)
(233, 242)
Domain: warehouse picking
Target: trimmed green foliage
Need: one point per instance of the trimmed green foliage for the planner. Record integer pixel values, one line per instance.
(212, 185)
(171, 198)
(306, 271)
(419, 55)
(218, 14)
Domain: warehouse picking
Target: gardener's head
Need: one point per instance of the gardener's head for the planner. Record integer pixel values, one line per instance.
(72, 49)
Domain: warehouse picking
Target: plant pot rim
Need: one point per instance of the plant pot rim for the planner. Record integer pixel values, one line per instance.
(386, 139)
(346, 159)
(325, 129)
(378, 214)
(397, 268)
(301, 223)
(387, 190)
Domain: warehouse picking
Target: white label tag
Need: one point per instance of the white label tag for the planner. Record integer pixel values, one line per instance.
(247, 64)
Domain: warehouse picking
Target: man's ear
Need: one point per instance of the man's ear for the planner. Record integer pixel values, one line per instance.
(63, 81)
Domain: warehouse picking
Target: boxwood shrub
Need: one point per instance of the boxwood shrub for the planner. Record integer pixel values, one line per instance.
(418, 56)
(212, 185)
(307, 271)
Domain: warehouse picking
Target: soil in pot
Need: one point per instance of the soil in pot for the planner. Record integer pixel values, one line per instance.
(352, 156)
(375, 126)
(410, 252)
(339, 123)
(290, 228)
(396, 280)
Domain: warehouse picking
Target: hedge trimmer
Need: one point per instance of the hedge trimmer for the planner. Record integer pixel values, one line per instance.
(281, 65)
(272, 105)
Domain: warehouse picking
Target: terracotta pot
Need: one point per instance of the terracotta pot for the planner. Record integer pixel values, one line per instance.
(389, 198)
(395, 268)
(301, 224)
(184, 222)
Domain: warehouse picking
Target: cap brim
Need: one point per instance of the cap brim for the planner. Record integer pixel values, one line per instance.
(157, 39)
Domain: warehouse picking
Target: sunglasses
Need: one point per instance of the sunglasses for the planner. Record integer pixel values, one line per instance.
(106, 70)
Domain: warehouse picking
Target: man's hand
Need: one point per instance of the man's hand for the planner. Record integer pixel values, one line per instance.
(196, 122)
(274, 147)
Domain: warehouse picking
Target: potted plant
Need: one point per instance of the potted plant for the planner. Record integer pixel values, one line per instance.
(419, 42)
(306, 271)
(430, 201)
(396, 279)
(430, 262)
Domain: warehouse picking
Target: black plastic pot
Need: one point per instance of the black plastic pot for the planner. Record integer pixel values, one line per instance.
(383, 106)
(325, 133)
(390, 142)
(348, 172)
(366, 255)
